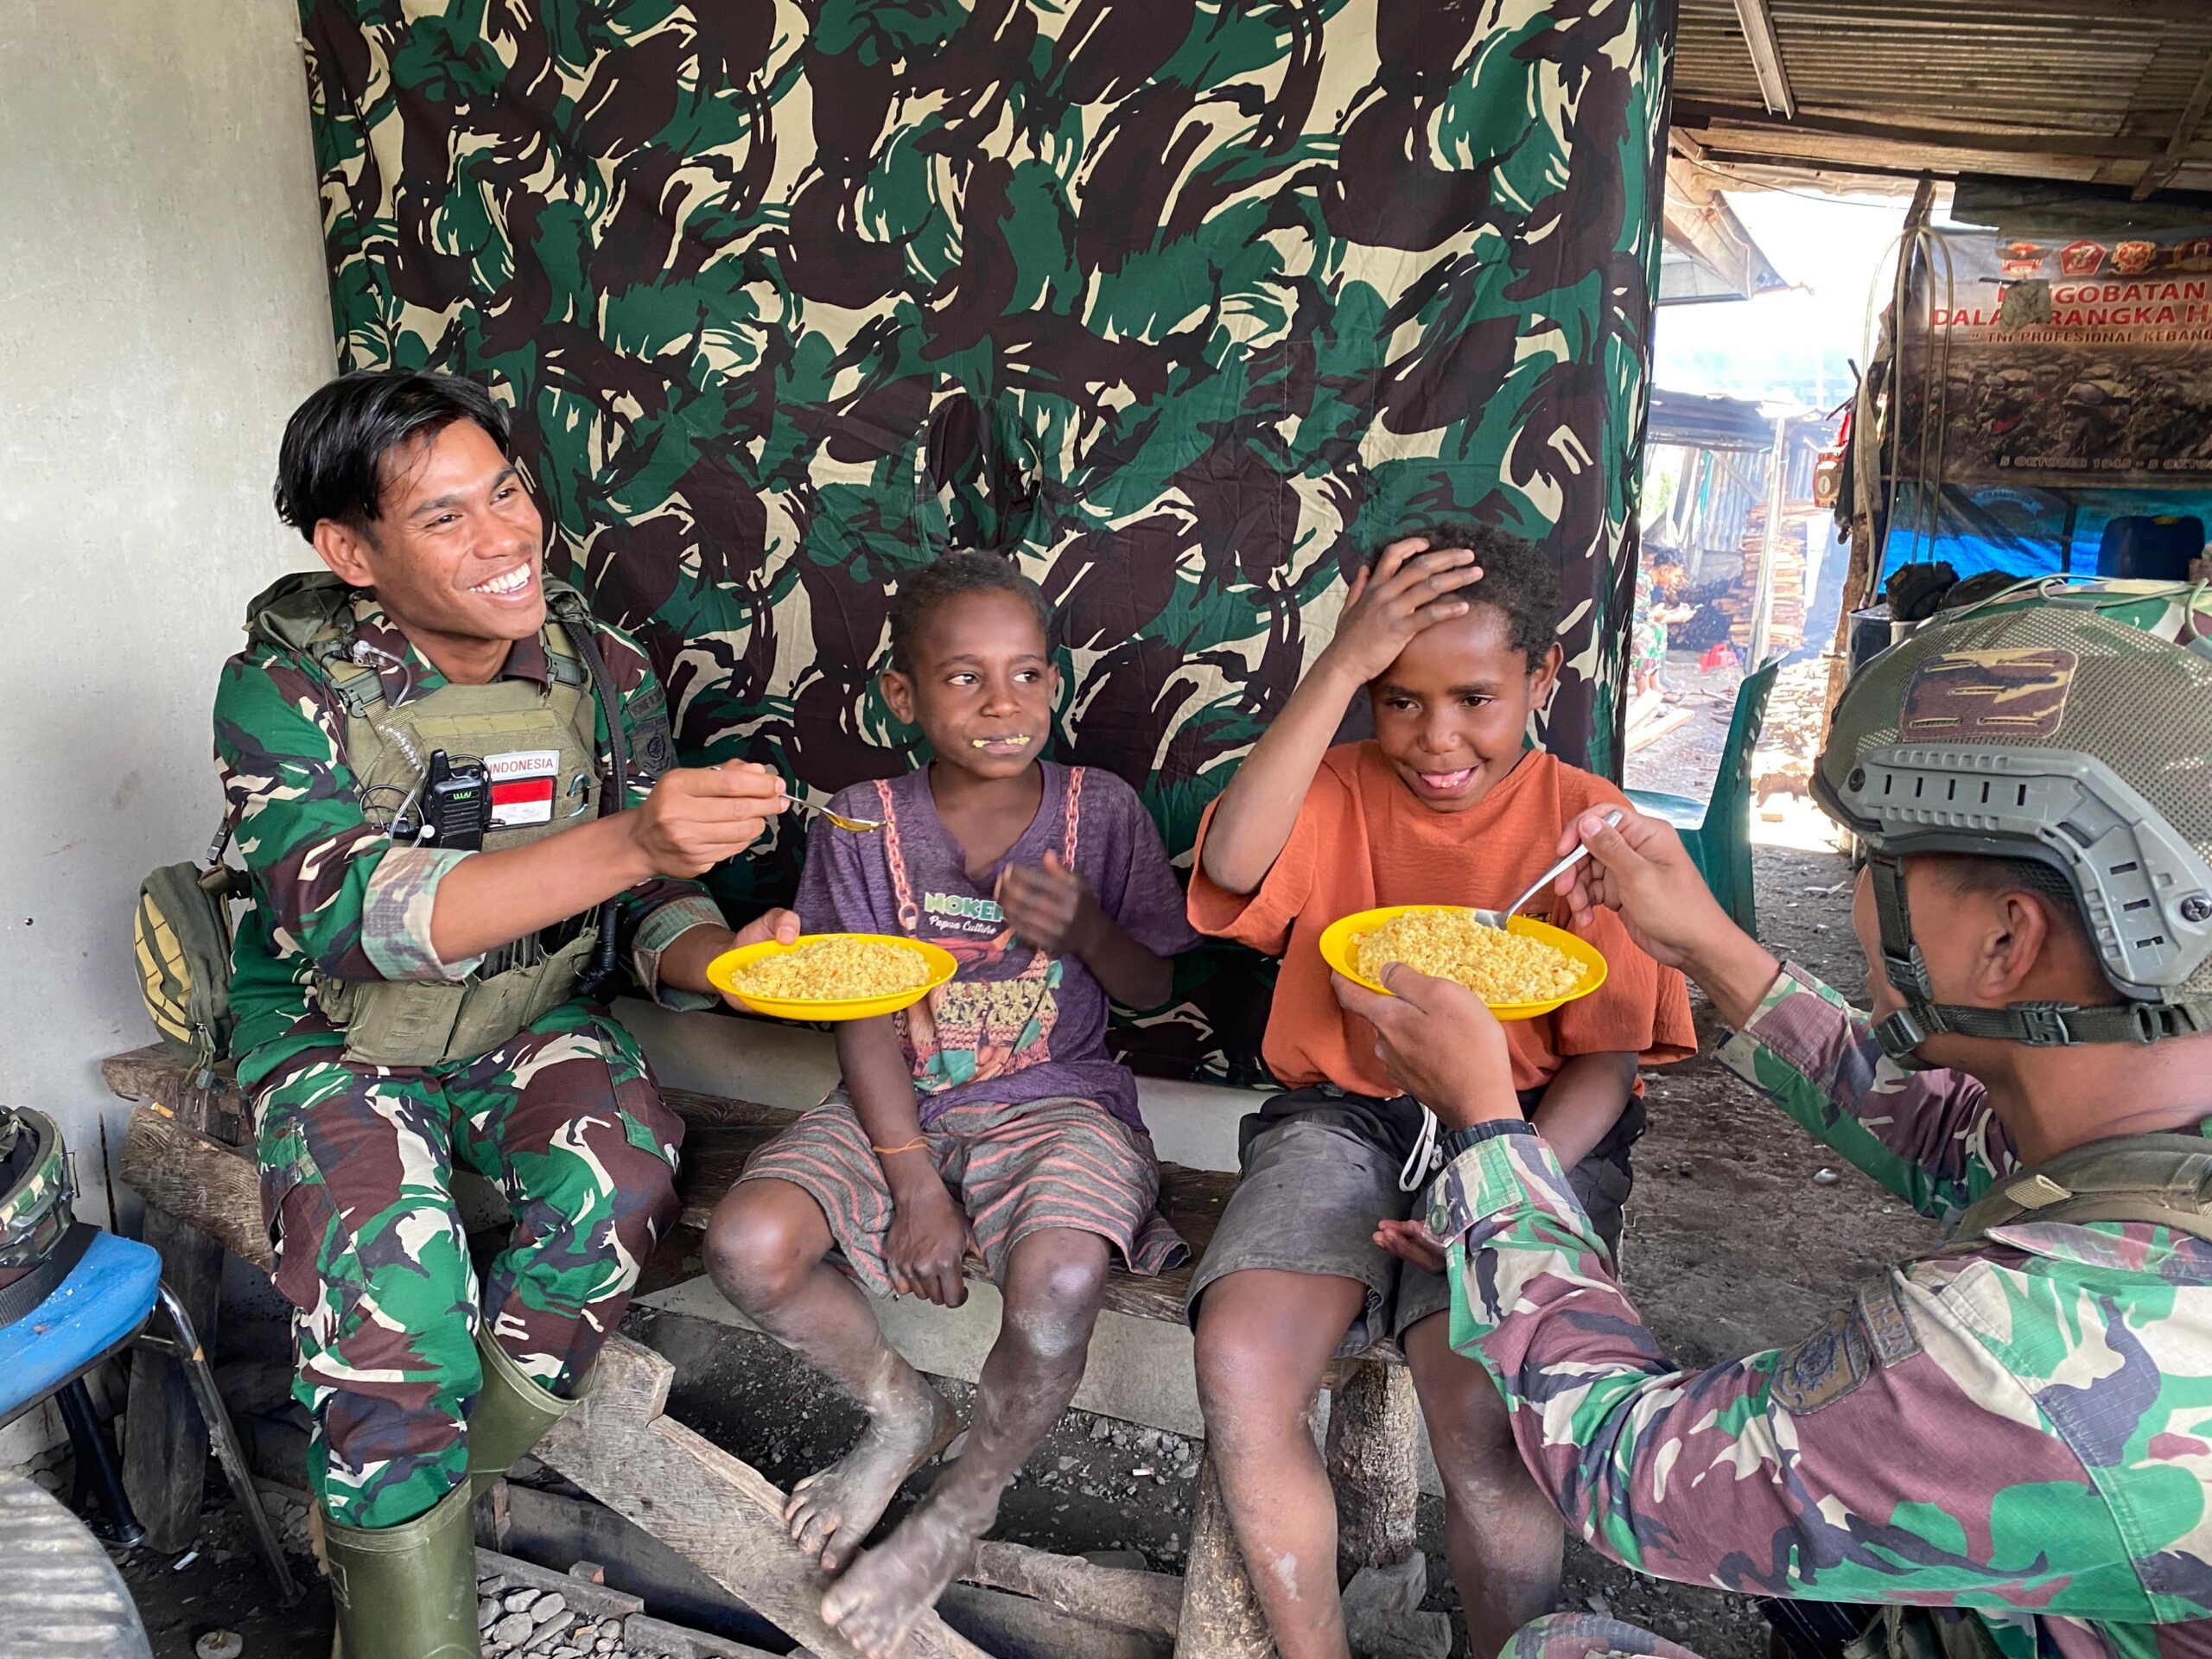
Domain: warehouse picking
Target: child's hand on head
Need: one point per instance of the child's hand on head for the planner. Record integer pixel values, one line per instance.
(1048, 906)
(1411, 587)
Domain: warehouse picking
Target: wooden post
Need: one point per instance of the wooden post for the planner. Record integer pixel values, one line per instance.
(164, 1438)
(1222, 1617)
(1778, 491)
(717, 1510)
(1132, 1600)
(1373, 1458)
(198, 1182)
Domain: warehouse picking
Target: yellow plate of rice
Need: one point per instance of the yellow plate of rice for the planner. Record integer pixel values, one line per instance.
(1526, 969)
(832, 975)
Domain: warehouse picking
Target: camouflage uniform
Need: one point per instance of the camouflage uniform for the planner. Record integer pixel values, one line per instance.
(356, 1161)
(2014, 1426)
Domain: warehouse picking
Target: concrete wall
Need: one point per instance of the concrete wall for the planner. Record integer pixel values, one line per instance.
(162, 309)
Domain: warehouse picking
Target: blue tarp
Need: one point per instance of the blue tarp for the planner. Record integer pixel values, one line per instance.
(1976, 527)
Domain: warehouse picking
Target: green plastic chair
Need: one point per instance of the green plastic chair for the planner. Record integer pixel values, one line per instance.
(1718, 831)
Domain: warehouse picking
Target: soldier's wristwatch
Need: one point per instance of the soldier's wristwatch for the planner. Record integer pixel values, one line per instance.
(1456, 1141)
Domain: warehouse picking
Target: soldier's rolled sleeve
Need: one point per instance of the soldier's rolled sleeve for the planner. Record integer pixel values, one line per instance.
(660, 927)
(1884, 1458)
(296, 811)
(396, 908)
(1930, 1137)
(1515, 1174)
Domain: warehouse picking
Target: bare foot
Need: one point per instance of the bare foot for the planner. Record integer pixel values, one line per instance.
(875, 1604)
(831, 1511)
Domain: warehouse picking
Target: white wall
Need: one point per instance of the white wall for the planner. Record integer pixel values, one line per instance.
(162, 309)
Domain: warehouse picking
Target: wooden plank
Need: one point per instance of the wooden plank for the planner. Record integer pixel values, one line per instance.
(2157, 175)
(706, 1111)
(714, 1154)
(1765, 47)
(590, 1598)
(1721, 124)
(1015, 1626)
(153, 1073)
(214, 1188)
(164, 1436)
(646, 1635)
(1150, 1602)
(715, 1508)
(549, 1527)
(1643, 734)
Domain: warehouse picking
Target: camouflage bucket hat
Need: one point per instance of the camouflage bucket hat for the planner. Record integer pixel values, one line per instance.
(2057, 734)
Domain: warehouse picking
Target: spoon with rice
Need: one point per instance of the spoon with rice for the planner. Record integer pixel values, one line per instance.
(1499, 917)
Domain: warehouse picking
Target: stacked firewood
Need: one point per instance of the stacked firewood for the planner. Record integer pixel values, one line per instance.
(1786, 612)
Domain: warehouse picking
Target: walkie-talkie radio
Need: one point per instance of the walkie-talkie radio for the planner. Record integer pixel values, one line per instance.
(457, 804)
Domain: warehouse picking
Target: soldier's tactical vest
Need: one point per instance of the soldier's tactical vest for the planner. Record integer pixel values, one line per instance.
(388, 748)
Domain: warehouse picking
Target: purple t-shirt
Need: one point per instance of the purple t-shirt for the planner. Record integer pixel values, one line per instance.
(1013, 1024)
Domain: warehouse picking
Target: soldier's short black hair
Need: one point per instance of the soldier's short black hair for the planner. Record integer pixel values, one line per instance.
(956, 572)
(1520, 580)
(1970, 874)
(331, 463)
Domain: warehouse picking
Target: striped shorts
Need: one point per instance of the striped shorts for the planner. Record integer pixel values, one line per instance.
(1016, 1170)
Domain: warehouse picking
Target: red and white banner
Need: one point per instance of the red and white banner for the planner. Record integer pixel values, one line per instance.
(2048, 361)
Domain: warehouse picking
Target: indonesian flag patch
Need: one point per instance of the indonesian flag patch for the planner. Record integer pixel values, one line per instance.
(522, 787)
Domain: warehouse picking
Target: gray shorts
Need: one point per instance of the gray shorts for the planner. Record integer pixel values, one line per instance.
(1319, 1168)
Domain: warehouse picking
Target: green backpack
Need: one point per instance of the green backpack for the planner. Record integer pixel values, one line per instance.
(183, 931)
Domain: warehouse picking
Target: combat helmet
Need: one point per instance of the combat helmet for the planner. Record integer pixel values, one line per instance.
(2061, 736)
(35, 1209)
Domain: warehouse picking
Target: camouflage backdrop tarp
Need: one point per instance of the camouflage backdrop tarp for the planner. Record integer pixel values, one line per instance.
(1192, 304)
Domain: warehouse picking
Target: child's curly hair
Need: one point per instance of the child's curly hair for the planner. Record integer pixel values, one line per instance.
(965, 571)
(1519, 580)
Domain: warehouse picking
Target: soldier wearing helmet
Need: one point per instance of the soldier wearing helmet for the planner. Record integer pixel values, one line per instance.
(2004, 1445)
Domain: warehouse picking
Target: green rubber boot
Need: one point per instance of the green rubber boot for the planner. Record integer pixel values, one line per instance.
(512, 1415)
(407, 1591)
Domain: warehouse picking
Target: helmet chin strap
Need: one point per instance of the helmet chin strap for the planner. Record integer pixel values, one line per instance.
(2038, 1024)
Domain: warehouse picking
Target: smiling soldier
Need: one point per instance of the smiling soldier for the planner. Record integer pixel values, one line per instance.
(453, 790)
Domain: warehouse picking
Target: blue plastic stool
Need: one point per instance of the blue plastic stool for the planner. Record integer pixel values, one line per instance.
(102, 1307)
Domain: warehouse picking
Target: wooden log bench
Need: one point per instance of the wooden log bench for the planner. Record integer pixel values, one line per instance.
(188, 1155)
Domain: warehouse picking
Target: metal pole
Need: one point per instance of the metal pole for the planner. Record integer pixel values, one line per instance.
(1777, 482)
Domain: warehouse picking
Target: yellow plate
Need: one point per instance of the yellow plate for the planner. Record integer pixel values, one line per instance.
(722, 974)
(1340, 939)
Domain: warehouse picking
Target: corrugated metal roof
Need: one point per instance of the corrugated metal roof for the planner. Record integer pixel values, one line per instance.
(2110, 91)
(1703, 421)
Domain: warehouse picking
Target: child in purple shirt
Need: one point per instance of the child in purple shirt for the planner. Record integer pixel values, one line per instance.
(988, 1119)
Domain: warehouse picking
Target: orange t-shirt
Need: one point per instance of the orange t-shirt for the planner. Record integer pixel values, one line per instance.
(1363, 840)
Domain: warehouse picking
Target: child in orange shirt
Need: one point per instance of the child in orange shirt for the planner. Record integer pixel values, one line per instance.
(1452, 637)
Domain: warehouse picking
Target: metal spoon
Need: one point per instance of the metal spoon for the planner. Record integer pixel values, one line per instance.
(1498, 917)
(858, 826)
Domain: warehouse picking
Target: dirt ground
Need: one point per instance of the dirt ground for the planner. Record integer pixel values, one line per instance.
(220, 1584)
(1733, 1246)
